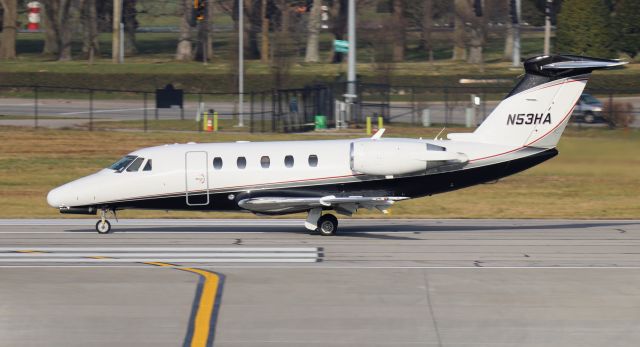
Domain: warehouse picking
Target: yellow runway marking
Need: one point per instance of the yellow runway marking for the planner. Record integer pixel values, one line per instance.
(200, 324)
(206, 304)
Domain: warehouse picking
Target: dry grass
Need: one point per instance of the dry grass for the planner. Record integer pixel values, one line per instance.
(597, 174)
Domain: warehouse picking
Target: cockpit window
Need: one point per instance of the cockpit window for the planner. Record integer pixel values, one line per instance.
(121, 164)
(135, 166)
(147, 166)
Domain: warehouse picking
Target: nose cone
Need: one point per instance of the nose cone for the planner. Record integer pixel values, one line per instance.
(56, 197)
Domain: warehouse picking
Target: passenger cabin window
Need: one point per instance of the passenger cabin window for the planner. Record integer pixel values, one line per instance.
(217, 163)
(265, 162)
(313, 160)
(147, 166)
(135, 166)
(241, 162)
(288, 161)
(121, 164)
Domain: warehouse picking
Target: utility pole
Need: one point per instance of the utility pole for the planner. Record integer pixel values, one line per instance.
(516, 31)
(117, 41)
(240, 63)
(351, 55)
(547, 27)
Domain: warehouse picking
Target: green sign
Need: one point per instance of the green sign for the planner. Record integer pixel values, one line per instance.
(341, 46)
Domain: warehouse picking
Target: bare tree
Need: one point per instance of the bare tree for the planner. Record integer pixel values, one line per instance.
(8, 36)
(61, 19)
(427, 28)
(399, 30)
(90, 43)
(184, 49)
(313, 33)
(459, 45)
(130, 25)
(264, 32)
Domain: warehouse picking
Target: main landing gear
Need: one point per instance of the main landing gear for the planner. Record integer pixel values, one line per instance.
(325, 225)
(103, 226)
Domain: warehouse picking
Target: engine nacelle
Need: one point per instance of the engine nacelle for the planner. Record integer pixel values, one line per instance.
(388, 157)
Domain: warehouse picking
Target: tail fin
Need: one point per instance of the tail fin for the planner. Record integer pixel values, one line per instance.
(538, 109)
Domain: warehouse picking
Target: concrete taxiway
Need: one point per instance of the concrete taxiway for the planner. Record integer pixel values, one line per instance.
(268, 282)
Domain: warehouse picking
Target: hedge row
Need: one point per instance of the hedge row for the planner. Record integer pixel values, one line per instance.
(225, 83)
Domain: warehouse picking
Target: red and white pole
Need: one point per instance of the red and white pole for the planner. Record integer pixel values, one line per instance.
(34, 15)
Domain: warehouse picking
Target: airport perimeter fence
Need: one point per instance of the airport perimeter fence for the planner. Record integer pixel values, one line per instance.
(283, 110)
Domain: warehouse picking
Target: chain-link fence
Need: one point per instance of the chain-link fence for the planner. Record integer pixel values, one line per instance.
(285, 110)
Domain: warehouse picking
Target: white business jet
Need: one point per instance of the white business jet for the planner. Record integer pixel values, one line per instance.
(276, 178)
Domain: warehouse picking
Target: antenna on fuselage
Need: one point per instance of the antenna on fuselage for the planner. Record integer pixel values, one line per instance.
(378, 134)
(435, 138)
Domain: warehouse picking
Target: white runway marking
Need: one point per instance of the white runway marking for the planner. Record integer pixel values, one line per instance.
(106, 111)
(22, 254)
(158, 249)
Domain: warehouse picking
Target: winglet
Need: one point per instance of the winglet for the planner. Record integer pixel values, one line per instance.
(378, 134)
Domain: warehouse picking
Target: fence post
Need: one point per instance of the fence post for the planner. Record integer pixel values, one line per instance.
(446, 106)
(201, 123)
(414, 107)
(90, 109)
(145, 111)
(35, 105)
(262, 111)
(251, 113)
(273, 111)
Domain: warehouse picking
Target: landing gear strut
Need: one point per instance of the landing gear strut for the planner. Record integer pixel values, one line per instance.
(103, 226)
(326, 225)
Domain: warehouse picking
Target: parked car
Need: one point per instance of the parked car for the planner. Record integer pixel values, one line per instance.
(588, 110)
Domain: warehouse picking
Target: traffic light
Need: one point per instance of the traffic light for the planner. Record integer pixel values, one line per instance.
(200, 9)
(477, 8)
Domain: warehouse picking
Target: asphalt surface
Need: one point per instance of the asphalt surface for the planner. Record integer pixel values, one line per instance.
(379, 283)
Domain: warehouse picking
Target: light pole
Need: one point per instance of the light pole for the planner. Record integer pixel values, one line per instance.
(547, 27)
(351, 55)
(240, 63)
(516, 33)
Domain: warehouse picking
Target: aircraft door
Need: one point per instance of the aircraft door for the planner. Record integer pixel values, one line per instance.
(196, 178)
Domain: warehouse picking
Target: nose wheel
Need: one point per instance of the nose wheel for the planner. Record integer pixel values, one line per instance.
(103, 226)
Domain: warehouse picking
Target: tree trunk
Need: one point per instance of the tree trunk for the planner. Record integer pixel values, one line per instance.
(8, 36)
(459, 47)
(184, 51)
(130, 26)
(252, 13)
(313, 37)
(90, 43)
(427, 26)
(264, 29)
(50, 36)
(64, 26)
(399, 26)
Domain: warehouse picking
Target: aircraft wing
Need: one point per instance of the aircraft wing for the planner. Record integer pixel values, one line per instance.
(344, 205)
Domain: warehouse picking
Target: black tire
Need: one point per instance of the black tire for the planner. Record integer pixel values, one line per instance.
(103, 228)
(327, 225)
(589, 117)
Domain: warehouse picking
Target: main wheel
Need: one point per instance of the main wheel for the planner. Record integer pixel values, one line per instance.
(103, 227)
(327, 225)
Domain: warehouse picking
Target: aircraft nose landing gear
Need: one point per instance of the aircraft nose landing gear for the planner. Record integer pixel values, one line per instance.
(103, 226)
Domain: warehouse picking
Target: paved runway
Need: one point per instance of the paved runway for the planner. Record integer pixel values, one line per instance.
(268, 282)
